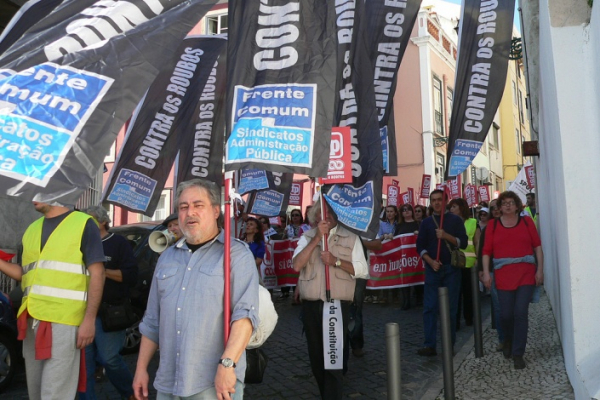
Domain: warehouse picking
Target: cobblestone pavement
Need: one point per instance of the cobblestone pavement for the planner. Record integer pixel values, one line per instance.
(288, 373)
(493, 376)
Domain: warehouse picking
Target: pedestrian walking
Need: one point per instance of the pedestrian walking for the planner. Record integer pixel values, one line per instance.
(518, 264)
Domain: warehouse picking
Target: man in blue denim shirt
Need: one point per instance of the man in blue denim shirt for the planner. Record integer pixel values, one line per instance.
(185, 308)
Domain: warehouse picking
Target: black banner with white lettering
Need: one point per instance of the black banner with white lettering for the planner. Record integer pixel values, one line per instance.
(27, 16)
(390, 24)
(358, 205)
(60, 118)
(484, 47)
(281, 86)
(272, 202)
(201, 153)
(157, 128)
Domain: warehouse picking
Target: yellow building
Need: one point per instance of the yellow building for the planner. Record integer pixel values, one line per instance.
(514, 120)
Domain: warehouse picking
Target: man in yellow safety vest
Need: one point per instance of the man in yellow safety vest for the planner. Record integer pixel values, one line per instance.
(62, 277)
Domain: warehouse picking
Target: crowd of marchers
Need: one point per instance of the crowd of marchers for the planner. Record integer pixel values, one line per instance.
(76, 277)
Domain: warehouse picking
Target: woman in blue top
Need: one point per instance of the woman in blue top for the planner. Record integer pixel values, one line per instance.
(388, 223)
(255, 239)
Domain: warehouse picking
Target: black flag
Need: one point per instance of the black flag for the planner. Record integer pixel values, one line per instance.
(485, 36)
(357, 206)
(201, 153)
(60, 118)
(27, 16)
(160, 124)
(390, 25)
(281, 86)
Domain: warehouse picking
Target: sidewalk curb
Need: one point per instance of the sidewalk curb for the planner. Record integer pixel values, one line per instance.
(437, 387)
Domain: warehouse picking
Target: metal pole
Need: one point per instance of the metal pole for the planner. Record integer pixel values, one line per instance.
(447, 347)
(392, 340)
(476, 313)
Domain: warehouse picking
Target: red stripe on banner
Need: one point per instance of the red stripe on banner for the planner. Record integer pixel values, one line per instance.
(397, 264)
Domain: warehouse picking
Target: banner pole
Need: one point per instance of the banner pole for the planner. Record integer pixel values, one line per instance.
(325, 246)
(227, 259)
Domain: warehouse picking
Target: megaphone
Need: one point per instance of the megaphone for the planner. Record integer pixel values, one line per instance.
(160, 240)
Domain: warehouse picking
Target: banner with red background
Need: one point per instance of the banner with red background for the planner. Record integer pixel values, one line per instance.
(397, 264)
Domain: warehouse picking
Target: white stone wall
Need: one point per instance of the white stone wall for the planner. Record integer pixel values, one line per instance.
(568, 185)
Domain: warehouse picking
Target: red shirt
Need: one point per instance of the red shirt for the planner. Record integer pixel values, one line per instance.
(518, 241)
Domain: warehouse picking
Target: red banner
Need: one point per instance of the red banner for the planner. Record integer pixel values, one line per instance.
(340, 161)
(471, 195)
(455, 186)
(397, 264)
(425, 186)
(404, 198)
(296, 194)
(484, 195)
(277, 269)
(411, 195)
(530, 174)
(392, 195)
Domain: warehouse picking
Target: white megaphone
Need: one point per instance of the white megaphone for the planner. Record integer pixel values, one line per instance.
(160, 240)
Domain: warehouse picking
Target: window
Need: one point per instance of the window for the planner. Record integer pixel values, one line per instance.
(521, 113)
(438, 107)
(110, 157)
(494, 136)
(216, 24)
(514, 91)
(440, 168)
(162, 208)
(518, 137)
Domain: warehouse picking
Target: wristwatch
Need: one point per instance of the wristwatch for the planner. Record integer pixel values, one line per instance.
(338, 263)
(227, 362)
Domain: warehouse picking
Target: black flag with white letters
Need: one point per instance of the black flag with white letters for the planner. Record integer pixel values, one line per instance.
(357, 205)
(201, 153)
(281, 86)
(60, 117)
(484, 47)
(390, 25)
(160, 124)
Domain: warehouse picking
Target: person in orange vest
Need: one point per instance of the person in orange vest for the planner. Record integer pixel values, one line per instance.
(62, 280)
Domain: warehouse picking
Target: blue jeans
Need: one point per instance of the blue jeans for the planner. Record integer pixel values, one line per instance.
(105, 350)
(496, 305)
(449, 277)
(514, 316)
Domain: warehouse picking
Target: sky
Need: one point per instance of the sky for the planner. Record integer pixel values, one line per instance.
(517, 22)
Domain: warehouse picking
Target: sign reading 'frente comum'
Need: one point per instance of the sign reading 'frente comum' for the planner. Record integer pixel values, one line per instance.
(70, 82)
(280, 93)
(485, 36)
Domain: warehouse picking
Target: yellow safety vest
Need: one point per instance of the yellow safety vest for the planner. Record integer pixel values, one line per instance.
(55, 280)
(471, 227)
(534, 218)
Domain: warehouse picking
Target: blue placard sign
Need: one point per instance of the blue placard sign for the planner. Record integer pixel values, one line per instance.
(42, 110)
(462, 155)
(273, 124)
(353, 206)
(267, 203)
(253, 179)
(132, 189)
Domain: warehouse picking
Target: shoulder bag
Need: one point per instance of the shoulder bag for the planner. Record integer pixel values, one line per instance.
(457, 257)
